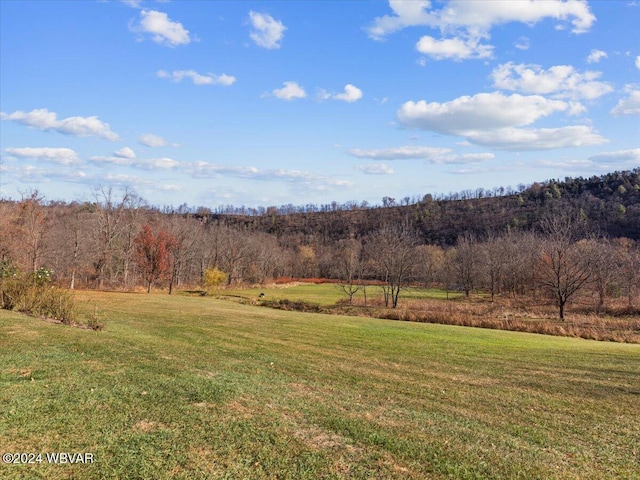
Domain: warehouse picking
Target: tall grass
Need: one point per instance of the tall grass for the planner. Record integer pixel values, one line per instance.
(496, 316)
(24, 293)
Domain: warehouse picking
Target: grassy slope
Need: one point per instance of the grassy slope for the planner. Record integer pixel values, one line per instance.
(191, 387)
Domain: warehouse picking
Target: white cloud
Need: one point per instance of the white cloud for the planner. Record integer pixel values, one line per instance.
(43, 119)
(631, 157)
(523, 43)
(375, 169)
(561, 80)
(596, 55)
(307, 179)
(351, 94)
(132, 3)
(125, 152)
(151, 140)
(290, 91)
(536, 139)
(629, 105)
(142, 163)
(62, 156)
(163, 31)
(477, 18)
(267, 32)
(406, 14)
(467, 23)
(453, 48)
(638, 62)
(428, 154)
(30, 174)
(156, 163)
(197, 78)
(489, 119)
(482, 111)
(124, 180)
(602, 162)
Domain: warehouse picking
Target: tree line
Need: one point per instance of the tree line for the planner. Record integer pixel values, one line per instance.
(118, 241)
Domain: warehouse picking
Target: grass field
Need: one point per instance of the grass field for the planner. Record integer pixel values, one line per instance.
(327, 294)
(191, 387)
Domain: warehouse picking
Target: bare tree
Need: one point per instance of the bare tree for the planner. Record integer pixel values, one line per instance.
(465, 265)
(30, 228)
(429, 263)
(234, 254)
(109, 228)
(70, 235)
(520, 256)
(627, 256)
(604, 269)
(349, 266)
(563, 267)
(393, 254)
(492, 262)
(132, 206)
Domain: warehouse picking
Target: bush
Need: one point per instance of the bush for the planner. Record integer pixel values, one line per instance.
(34, 295)
(213, 278)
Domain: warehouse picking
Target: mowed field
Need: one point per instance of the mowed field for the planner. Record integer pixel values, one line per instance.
(191, 387)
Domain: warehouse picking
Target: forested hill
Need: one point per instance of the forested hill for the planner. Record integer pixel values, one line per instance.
(611, 203)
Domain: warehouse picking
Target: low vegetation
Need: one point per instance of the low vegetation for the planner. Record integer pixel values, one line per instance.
(33, 294)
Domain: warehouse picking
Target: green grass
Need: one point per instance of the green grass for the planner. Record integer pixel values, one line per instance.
(193, 387)
(327, 294)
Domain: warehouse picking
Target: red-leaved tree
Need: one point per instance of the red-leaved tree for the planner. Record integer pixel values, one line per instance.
(153, 254)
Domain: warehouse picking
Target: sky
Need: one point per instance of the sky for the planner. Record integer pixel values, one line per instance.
(263, 103)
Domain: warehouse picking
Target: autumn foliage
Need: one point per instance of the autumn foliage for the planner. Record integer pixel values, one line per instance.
(153, 254)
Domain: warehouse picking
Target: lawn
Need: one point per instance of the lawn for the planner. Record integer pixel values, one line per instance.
(192, 387)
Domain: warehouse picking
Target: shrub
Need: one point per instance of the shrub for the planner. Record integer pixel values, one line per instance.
(213, 278)
(33, 294)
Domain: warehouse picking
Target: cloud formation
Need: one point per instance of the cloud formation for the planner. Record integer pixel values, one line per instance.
(290, 91)
(629, 105)
(523, 43)
(43, 119)
(454, 48)
(266, 31)
(142, 163)
(351, 94)
(521, 139)
(125, 152)
(476, 19)
(596, 55)
(428, 154)
(481, 111)
(490, 119)
(151, 140)
(299, 177)
(197, 78)
(62, 156)
(465, 25)
(375, 169)
(163, 31)
(631, 157)
(563, 81)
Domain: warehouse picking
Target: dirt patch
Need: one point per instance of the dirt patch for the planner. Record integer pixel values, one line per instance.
(239, 408)
(148, 426)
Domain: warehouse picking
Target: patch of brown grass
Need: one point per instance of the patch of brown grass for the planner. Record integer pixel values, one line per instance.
(520, 315)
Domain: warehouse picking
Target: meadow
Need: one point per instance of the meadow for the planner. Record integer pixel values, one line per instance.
(192, 387)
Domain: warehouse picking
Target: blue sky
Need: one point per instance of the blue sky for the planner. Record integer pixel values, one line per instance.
(263, 103)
